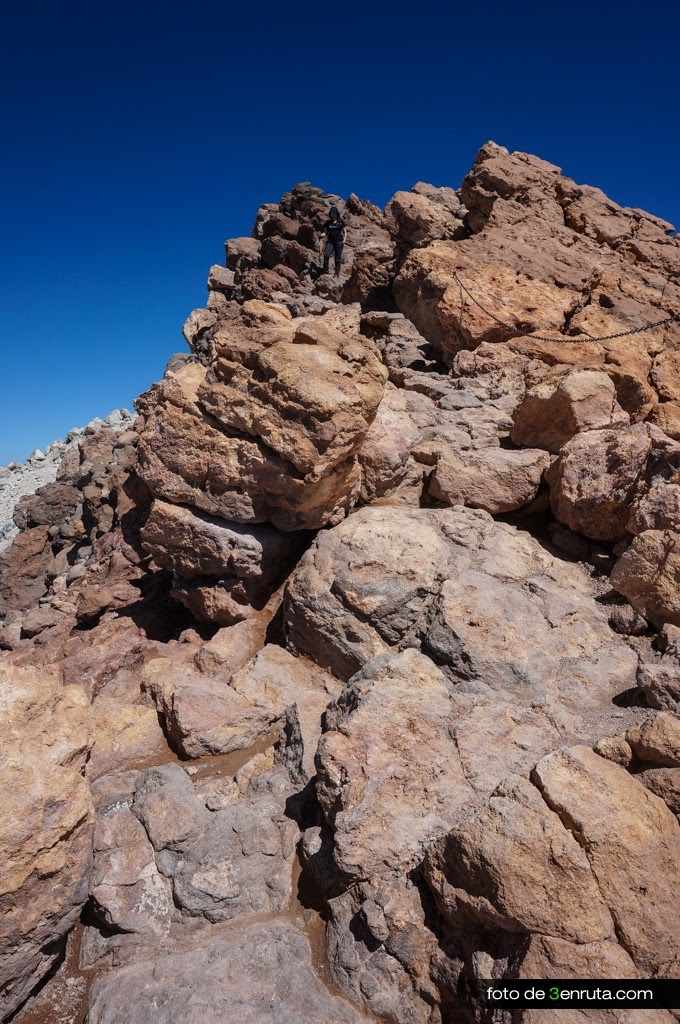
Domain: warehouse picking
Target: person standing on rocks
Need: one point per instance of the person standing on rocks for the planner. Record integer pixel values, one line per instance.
(335, 230)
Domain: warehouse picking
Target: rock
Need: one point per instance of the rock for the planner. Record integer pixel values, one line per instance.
(426, 213)
(196, 327)
(666, 416)
(493, 479)
(549, 258)
(220, 715)
(369, 940)
(262, 970)
(396, 713)
(664, 783)
(660, 680)
(94, 601)
(185, 458)
(554, 411)
(549, 957)
(514, 867)
(242, 253)
(632, 843)
(221, 279)
(332, 383)
(656, 741)
(467, 589)
(603, 476)
(23, 569)
(648, 575)
(242, 862)
(125, 733)
(46, 829)
(276, 681)
(128, 892)
(10, 634)
(191, 543)
(227, 566)
(168, 809)
(625, 620)
(666, 374)
(202, 716)
(37, 620)
(615, 748)
(49, 505)
(233, 646)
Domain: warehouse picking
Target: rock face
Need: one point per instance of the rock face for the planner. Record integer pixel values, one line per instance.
(40, 470)
(375, 604)
(46, 830)
(263, 971)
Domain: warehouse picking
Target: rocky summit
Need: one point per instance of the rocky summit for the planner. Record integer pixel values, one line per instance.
(348, 672)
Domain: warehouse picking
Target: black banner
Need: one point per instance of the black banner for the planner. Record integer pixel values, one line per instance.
(580, 993)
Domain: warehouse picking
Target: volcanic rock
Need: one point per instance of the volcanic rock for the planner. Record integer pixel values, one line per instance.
(46, 830)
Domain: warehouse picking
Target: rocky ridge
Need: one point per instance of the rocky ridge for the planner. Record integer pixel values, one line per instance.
(358, 653)
(25, 478)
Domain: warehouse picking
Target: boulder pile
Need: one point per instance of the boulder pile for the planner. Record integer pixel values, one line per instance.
(349, 672)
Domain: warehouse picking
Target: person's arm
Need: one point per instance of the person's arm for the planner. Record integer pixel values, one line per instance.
(322, 240)
(344, 233)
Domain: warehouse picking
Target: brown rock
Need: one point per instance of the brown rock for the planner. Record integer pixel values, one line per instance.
(513, 866)
(603, 476)
(124, 734)
(666, 374)
(455, 582)
(202, 716)
(191, 543)
(396, 714)
(554, 411)
(664, 783)
(632, 842)
(657, 741)
(423, 215)
(46, 828)
(648, 575)
(666, 416)
(185, 458)
(494, 479)
(23, 569)
(660, 680)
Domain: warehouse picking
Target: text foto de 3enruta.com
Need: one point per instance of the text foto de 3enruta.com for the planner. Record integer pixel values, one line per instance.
(580, 994)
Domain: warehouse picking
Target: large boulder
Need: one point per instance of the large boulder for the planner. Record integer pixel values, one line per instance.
(237, 565)
(469, 591)
(648, 575)
(271, 433)
(263, 971)
(554, 411)
(608, 484)
(46, 829)
(632, 842)
(494, 479)
(424, 214)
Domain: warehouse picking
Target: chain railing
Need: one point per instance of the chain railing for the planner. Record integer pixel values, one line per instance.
(671, 318)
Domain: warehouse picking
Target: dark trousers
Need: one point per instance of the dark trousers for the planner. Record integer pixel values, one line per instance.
(332, 248)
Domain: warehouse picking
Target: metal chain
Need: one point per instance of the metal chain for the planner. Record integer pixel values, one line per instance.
(537, 337)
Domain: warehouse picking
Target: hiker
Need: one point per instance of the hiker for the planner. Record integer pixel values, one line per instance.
(335, 239)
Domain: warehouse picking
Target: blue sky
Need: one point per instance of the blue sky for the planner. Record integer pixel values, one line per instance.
(138, 136)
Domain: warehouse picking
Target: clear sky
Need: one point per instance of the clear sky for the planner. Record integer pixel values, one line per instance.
(137, 136)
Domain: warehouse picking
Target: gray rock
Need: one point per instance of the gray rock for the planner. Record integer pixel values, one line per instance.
(262, 973)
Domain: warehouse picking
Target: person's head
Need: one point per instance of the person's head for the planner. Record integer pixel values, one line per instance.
(335, 213)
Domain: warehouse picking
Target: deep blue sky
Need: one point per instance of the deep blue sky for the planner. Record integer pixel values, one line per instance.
(138, 136)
